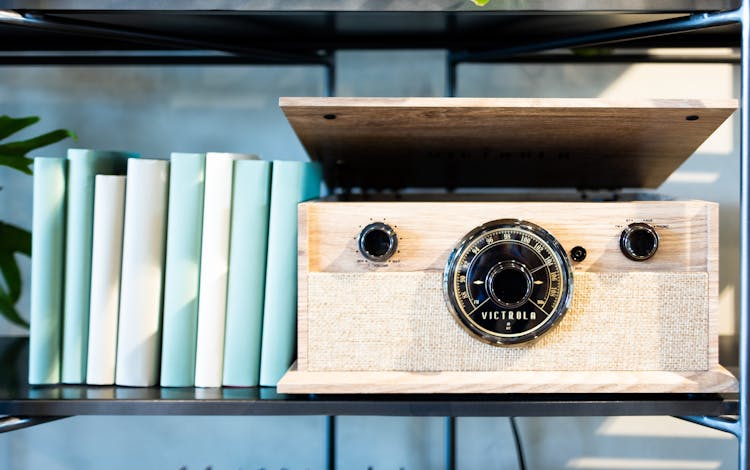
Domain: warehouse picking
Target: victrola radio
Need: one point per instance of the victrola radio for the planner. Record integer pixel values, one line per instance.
(426, 273)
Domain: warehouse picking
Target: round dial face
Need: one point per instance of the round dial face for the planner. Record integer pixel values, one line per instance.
(508, 281)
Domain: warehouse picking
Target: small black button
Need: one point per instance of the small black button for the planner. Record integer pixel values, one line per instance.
(639, 241)
(578, 253)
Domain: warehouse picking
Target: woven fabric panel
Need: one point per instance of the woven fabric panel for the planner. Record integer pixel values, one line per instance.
(400, 322)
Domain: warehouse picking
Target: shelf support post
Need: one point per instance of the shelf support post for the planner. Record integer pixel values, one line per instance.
(330, 84)
(13, 423)
(728, 425)
(625, 33)
(744, 366)
(450, 74)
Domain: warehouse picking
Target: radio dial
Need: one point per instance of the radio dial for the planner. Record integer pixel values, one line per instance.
(639, 241)
(378, 242)
(508, 281)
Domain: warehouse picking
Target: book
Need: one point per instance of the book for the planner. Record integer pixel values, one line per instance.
(247, 273)
(143, 246)
(291, 183)
(47, 258)
(106, 263)
(83, 166)
(182, 271)
(212, 297)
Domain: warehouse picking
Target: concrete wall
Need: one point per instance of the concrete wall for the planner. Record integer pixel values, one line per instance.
(156, 110)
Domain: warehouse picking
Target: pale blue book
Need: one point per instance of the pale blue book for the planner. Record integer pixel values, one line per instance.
(247, 272)
(47, 257)
(83, 166)
(291, 183)
(182, 272)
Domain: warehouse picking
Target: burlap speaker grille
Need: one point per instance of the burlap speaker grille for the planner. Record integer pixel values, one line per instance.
(634, 321)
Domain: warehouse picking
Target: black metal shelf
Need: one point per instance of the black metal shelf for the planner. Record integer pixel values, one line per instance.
(380, 5)
(296, 31)
(95, 32)
(17, 398)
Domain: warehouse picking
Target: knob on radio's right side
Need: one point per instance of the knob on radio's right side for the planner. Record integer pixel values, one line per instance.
(639, 241)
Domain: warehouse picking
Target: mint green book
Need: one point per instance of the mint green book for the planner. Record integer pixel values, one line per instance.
(291, 183)
(47, 257)
(247, 272)
(83, 166)
(182, 272)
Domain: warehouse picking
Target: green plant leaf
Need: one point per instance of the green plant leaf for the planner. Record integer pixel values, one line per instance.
(9, 125)
(8, 310)
(480, 3)
(13, 240)
(12, 276)
(11, 352)
(20, 163)
(24, 146)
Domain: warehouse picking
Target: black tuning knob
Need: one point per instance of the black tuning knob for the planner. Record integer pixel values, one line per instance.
(378, 241)
(639, 241)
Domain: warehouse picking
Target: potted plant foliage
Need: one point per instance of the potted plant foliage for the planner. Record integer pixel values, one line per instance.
(15, 240)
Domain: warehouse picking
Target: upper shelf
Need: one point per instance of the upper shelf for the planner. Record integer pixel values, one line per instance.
(309, 26)
(379, 5)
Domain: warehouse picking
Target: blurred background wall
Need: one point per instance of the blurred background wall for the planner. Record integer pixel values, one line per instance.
(157, 110)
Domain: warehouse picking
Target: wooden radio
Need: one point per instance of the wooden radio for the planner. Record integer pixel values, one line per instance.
(497, 294)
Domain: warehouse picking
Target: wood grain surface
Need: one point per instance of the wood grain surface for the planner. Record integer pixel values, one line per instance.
(717, 380)
(501, 142)
(427, 232)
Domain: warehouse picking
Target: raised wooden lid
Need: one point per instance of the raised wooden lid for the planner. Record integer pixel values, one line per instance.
(396, 143)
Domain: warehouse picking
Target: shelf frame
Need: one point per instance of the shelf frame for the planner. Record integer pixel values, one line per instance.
(647, 30)
(713, 409)
(743, 430)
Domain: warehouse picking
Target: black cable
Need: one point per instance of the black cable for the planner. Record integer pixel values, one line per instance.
(517, 440)
(450, 443)
(330, 424)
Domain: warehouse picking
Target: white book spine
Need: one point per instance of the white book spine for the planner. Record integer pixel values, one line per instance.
(106, 262)
(212, 296)
(139, 329)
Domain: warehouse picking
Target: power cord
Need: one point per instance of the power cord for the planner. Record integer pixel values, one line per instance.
(517, 440)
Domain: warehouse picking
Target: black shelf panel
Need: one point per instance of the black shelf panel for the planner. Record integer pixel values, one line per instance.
(267, 402)
(17, 398)
(379, 5)
(308, 32)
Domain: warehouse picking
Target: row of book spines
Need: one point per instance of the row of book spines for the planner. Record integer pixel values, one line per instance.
(237, 288)
(201, 308)
(179, 371)
(232, 294)
(61, 230)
